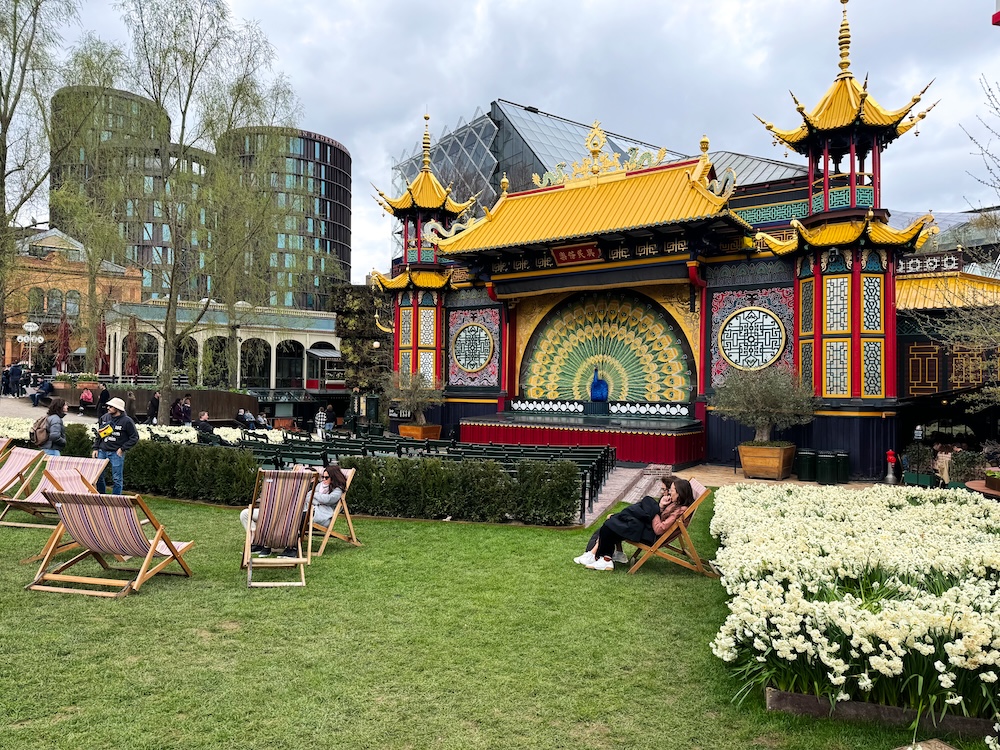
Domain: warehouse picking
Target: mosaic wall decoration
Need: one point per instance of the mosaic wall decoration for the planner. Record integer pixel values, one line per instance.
(774, 212)
(757, 273)
(808, 306)
(477, 297)
(474, 347)
(751, 338)
(634, 344)
(806, 364)
(871, 368)
(428, 316)
(873, 260)
(871, 311)
(837, 368)
(778, 301)
(836, 261)
(406, 326)
(836, 304)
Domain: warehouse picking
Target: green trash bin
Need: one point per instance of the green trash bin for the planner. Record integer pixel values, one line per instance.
(843, 467)
(375, 429)
(826, 468)
(806, 459)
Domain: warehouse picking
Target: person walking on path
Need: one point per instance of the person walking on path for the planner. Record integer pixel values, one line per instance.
(153, 408)
(320, 423)
(14, 379)
(102, 401)
(57, 430)
(116, 434)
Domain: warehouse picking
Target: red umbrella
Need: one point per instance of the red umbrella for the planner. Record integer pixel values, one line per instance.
(101, 363)
(132, 340)
(62, 344)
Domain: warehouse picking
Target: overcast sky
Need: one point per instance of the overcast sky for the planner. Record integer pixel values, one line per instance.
(660, 71)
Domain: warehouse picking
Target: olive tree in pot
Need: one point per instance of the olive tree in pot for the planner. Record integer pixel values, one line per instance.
(764, 400)
(415, 393)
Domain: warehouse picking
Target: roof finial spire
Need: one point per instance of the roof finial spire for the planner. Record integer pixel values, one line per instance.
(427, 144)
(845, 45)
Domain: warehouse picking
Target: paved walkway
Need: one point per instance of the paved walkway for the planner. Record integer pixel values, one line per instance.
(631, 484)
(21, 408)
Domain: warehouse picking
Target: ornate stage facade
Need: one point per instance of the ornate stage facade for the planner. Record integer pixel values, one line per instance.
(658, 278)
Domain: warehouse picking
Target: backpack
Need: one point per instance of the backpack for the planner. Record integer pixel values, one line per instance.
(39, 434)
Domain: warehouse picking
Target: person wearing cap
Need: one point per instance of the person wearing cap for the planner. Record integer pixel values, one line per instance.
(116, 433)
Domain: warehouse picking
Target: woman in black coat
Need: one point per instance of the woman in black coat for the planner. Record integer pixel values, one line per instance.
(642, 522)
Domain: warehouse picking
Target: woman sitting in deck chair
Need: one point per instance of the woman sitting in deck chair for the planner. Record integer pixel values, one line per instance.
(644, 521)
(330, 489)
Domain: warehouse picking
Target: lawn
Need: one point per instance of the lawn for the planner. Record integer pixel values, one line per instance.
(432, 635)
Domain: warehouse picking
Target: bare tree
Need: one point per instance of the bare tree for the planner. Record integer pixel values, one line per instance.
(209, 75)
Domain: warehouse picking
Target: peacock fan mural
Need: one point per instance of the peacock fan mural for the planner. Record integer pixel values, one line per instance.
(628, 339)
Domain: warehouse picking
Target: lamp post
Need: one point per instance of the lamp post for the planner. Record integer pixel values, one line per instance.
(30, 338)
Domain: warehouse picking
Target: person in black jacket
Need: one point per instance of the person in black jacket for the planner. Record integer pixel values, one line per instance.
(642, 522)
(102, 401)
(153, 408)
(116, 433)
(203, 425)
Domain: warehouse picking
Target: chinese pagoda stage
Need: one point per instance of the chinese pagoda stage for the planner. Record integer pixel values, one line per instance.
(678, 442)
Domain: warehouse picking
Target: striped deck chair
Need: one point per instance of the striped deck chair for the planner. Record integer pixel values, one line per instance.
(32, 500)
(327, 531)
(107, 525)
(19, 468)
(675, 543)
(5, 445)
(280, 515)
(66, 480)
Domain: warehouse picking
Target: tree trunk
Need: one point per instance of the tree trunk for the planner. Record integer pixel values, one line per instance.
(763, 434)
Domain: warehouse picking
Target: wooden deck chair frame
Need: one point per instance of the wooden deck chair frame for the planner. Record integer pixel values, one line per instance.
(32, 499)
(675, 543)
(18, 469)
(106, 526)
(67, 480)
(282, 522)
(341, 507)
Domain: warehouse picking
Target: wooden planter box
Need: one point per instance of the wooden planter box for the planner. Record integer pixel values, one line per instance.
(993, 483)
(918, 480)
(766, 462)
(810, 705)
(420, 432)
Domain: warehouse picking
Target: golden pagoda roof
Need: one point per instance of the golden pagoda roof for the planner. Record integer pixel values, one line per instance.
(847, 103)
(941, 291)
(425, 191)
(839, 233)
(607, 198)
(413, 280)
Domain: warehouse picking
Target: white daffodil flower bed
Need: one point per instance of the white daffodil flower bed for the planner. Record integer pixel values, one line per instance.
(18, 429)
(887, 595)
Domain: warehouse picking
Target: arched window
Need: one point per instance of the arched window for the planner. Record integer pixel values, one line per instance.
(36, 301)
(72, 304)
(427, 300)
(55, 304)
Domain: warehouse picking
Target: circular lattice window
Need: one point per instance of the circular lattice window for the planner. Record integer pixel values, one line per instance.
(472, 347)
(751, 338)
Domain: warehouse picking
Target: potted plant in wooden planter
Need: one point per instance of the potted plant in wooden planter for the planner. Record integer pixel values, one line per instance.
(414, 393)
(764, 400)
(62, 382)
(87, 380)
(918, 465)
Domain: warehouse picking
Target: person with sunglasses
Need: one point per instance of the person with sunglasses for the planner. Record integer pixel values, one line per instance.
(330, 489)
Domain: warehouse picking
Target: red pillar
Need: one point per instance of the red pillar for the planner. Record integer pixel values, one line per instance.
(818, 293)
(857, 301)
(854, 176)
(889, 366)
(826, 176)
(397, 333)
(876, 174)
(415, 331)
(439, 346)
(510, 369)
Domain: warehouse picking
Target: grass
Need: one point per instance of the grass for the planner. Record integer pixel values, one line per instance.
(432, 635)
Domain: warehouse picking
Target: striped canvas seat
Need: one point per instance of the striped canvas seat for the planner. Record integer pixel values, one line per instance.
(107, 525)
(66, 480)
(280, 514)
(675, 543)
(19, 468)
(34, 502)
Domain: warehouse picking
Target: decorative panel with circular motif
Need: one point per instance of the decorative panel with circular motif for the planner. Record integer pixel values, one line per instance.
(634, 344)
(472, 347)
(751, 338)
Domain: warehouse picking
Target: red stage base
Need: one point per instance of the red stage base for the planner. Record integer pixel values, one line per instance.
(677, 442)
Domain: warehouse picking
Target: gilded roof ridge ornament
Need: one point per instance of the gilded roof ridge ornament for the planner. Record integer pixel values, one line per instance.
(599, 162)
(845, 45)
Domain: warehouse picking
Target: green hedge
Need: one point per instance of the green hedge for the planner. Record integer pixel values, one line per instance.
(542, 493)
